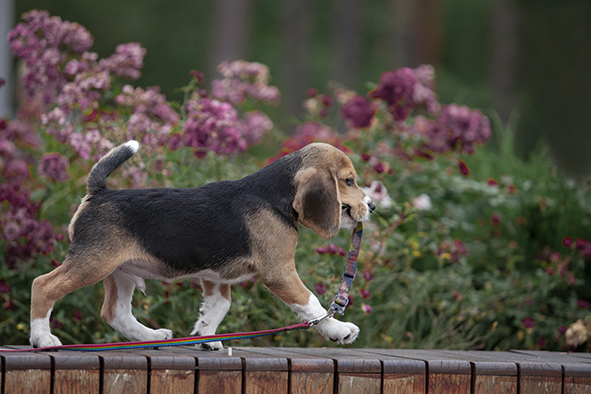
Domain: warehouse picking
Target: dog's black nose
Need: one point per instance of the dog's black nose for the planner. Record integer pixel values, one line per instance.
(372, 206)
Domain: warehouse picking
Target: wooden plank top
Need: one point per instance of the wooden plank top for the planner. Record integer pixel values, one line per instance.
(251, 369)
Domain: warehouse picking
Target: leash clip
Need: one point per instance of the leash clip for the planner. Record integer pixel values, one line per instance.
(316, 321)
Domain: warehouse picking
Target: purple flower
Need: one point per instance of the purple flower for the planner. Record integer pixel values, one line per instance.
(567, 242)
(460, 247)
(320, 288)
(550, 271)
(127, 60)
(55, 323)
(464, 169)
(583, 304)
(528, 323)
(495, 219)
(321, 250)
(464, 127)
(54, 166)
(213, 125)
(359, 111)
(366, 308)
(175, 142)
(244, 80)
(562, 329)
(255, 124)
(397, 88)
(4, 288)
(365, 293)
(367, 276)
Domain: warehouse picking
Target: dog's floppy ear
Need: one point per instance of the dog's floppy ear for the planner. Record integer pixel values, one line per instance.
(317, 202)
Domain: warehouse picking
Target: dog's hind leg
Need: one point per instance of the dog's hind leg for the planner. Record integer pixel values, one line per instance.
(116, 310)
(216, 303)
(49, 288)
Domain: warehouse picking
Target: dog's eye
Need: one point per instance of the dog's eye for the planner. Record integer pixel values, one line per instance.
(350, 181)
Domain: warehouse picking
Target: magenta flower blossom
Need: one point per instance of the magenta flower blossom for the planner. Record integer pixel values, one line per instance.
(528, 323)
(464, 169)
(495, 219)
(583, 304)
(54, 166)
(367, 276)
(359, 111)
(567, 242)
(366, 308)
(4, 288)
(320, 288)
(550, 271)
(213, 125)
(460, 247)
(365, 293)
(464, 127)
(396, 88)
(255, 124)
(562, 329)
(55, 323)
(244, 80)
(38, 41)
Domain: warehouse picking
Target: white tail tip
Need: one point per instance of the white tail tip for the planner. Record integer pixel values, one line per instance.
(134, 145)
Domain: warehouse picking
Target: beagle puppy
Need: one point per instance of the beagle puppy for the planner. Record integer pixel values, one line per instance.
(223, 233)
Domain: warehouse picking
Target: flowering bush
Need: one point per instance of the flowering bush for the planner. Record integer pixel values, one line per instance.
(470, 247)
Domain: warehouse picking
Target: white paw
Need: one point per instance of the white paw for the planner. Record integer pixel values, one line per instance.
(162, 333)
(210, 346)
(341, 332)
(44, 340)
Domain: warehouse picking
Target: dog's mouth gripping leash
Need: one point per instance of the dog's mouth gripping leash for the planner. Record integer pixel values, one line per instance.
(339, 304)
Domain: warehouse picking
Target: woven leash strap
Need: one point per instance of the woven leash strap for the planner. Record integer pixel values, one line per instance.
(339, 304)
(165, 342)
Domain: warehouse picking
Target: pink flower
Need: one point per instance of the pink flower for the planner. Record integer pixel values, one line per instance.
(550, 271)
(492, 182)
(567, 242)
(495, 219)
(365, 293)
(463, 168)
(4, 288)
(528, 322)
(460, 247)
(244, 80)
(422, 202)
(380, 167)
(366, 308)
(321, 250)
(367, 276)
(378, 193)
(359, 111)
(54, 166)
(397, 88)
(320, 288)
(583, 304)
(562, 329)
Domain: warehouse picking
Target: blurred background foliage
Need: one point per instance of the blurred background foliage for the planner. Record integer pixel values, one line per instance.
(527, 60)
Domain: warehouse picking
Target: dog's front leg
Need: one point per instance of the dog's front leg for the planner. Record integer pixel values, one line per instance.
(292, 291)
(216, 303)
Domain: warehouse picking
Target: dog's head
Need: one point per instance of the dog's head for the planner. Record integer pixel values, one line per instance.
(327, 195)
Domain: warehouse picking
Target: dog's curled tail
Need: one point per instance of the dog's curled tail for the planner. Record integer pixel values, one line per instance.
(109, 163)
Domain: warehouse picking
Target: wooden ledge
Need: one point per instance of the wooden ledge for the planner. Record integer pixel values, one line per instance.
(295, 370)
